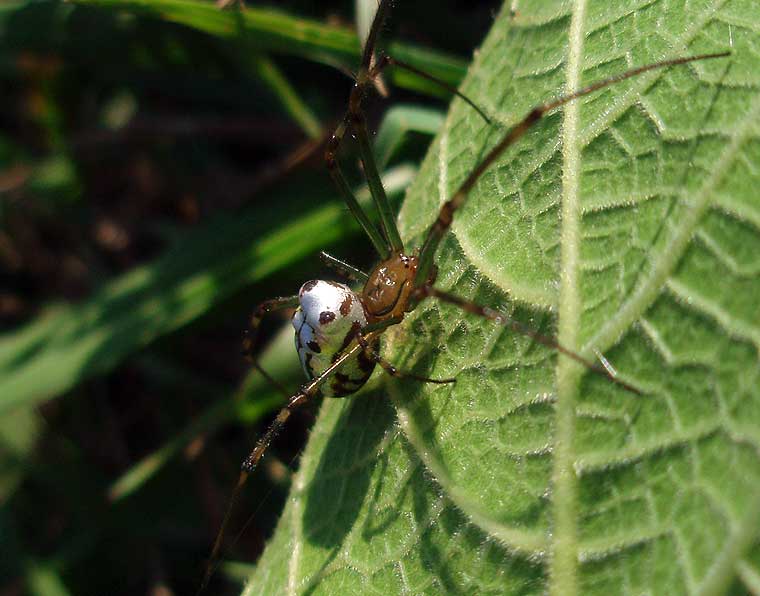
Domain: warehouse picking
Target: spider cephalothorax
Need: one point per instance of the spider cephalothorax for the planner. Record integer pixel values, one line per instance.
(388, 290)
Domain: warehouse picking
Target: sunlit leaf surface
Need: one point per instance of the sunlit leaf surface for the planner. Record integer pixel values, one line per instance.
(626, 224)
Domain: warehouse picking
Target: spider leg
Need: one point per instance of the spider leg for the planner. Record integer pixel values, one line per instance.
(386, 60)
(390, 240)
(358, 125)
(303, 396)
(343, 268)
(367, 155)
(502, 319)
(377, 24)
(392, 370)
(446, 214)
(377, 239)
(354, 119)
(249, 340)
(248, 465)
(261, 311)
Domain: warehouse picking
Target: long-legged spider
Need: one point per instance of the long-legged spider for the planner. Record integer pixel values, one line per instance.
(338, 329)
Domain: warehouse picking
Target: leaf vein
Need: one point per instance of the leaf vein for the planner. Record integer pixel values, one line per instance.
(663, 264)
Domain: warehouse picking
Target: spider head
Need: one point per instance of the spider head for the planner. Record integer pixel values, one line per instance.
(387, 291)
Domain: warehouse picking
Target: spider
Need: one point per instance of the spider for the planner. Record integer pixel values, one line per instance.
(337, 329)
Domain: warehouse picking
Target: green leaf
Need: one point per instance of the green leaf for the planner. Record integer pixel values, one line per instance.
(19, 433)
(627, 223)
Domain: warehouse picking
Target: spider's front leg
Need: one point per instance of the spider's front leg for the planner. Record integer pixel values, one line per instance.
(262, 310)
(307, 392)
(486, 312)
(249, 341)
(336, 173)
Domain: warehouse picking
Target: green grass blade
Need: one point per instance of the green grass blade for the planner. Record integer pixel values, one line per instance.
(396, 125)
(43, 580)
(277, 32)
(291, 102)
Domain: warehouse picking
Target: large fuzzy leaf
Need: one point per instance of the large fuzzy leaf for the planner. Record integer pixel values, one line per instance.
(626, 224)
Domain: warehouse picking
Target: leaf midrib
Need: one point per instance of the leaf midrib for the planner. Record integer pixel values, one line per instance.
(564, 489)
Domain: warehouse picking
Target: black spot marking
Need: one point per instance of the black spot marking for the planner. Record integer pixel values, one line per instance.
(308, 286)
(326, 317)
(314, 347)
(345, 306)
(340, 390)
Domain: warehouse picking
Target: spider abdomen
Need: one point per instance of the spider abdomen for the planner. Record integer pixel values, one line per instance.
(327, 319)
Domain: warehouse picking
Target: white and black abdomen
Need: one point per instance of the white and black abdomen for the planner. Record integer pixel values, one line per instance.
(327, 319)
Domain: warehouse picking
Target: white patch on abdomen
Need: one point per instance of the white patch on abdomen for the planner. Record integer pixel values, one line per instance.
(328, 317)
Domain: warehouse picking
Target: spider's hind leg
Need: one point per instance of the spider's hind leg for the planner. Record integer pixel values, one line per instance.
(247, 467)
(262, 310)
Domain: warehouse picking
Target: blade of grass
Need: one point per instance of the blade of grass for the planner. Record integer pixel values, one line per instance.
(277, 32)
(43, 580)
(398, 122)
(19, 431)
(292, 103)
